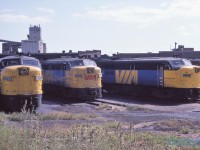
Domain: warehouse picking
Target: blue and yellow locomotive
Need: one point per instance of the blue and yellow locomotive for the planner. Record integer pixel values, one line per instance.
(159, 77)
(20, 83)
(72, 78)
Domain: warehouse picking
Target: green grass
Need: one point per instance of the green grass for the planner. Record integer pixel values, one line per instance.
(66, 116)
(181, 126)
(55, 115)
(136, 108)
(31, 134)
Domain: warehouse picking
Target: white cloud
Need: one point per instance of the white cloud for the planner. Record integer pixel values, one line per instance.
(163, 4)
(8, 15)
(191, 29)
(185, 8)
(130, 14)
(23, 18)
(47, 10)
(143, 15)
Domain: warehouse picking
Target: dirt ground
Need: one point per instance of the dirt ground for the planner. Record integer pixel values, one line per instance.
(144, 114)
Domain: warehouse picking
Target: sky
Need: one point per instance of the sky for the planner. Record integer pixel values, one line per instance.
(128, 26)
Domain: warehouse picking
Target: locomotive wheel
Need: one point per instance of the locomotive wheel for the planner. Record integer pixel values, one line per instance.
(32, 104)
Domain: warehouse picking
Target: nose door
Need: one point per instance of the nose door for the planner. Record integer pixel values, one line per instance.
(23, 80)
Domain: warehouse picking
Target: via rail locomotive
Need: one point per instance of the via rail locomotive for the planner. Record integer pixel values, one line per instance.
(72, 78)
(20, 83)
(158, 77)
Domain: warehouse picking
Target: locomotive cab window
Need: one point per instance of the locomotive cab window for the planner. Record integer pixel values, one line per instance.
(31, 63)
(177, 64)
(89, 62)
(10, 62)
(146, 66)
(76, 63)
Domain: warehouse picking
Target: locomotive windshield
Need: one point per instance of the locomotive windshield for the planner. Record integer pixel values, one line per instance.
(9, 62)
(12, 62)
(176, 64)
(31, 63)
(84, 62)
(76, 63)
(89, 62)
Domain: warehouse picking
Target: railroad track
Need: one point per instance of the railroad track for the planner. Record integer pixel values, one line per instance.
(99, 102)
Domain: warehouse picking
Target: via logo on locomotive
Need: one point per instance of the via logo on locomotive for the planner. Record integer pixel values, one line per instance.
(126, 76)
(90, 77)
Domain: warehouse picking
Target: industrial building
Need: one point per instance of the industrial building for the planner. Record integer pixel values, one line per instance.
(10, 47)
(34, 43)
(180, 52)
(34, 46)
(90, 54)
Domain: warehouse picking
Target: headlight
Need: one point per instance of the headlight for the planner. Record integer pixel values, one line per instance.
(23, 71)
(7, 78)
(90, 70)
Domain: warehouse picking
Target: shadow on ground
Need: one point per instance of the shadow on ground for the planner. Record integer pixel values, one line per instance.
(145, 100)
(55, 99)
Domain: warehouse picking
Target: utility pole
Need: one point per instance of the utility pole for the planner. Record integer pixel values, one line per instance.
(175, 45)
